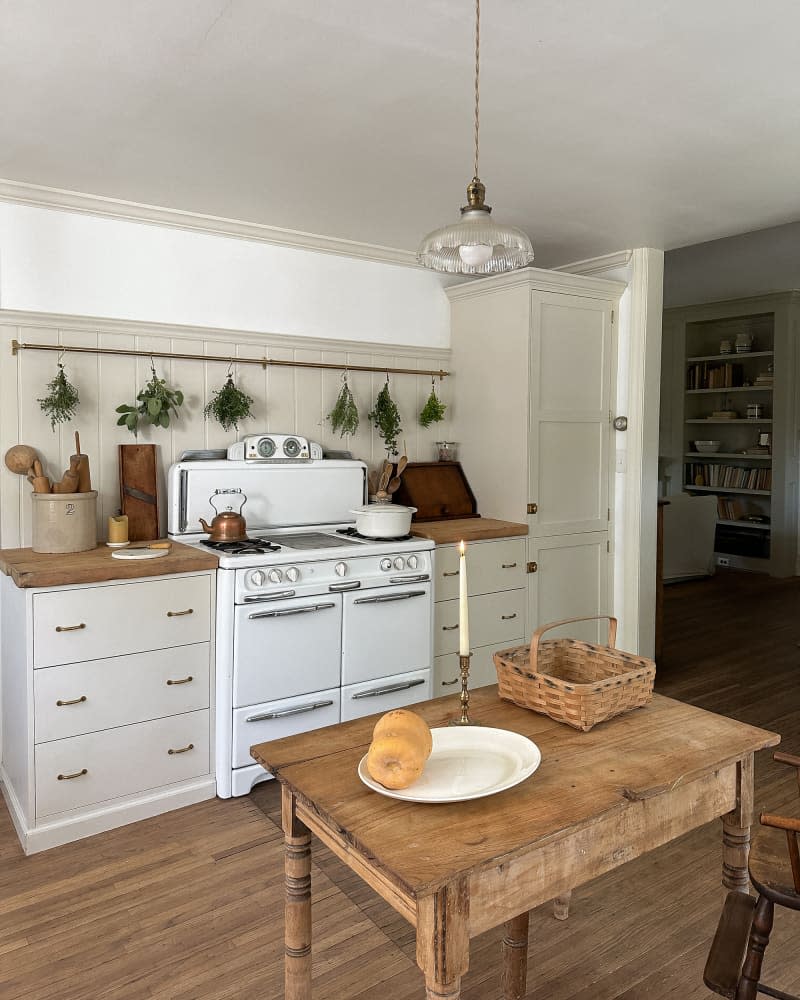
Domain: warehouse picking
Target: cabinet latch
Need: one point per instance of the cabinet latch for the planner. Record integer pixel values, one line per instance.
(533, 567)
(533, 508)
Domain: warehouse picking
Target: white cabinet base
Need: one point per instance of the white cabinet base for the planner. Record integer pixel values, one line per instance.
(130, 809)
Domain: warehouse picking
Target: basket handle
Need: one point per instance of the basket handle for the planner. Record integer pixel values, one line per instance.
(612, 632)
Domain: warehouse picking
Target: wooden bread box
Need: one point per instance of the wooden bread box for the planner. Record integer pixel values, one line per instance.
(439, 491)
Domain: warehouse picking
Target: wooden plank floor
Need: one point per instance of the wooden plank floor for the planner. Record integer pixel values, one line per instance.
(189, 905)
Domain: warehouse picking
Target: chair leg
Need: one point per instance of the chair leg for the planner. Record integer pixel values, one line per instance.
(759, 939)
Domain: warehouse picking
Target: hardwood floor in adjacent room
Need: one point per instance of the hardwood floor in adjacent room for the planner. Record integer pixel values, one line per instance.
(189, 904)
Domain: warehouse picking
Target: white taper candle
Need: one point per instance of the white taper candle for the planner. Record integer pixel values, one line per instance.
(463, 611)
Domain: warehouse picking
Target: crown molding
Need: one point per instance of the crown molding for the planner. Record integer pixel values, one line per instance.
(540, 279)
(94, 324)
(130, 211)
(598, 265)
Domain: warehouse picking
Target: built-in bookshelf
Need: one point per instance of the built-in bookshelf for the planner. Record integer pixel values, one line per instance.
(735, 364)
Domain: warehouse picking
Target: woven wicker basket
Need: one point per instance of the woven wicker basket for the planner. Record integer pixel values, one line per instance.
(572, 681)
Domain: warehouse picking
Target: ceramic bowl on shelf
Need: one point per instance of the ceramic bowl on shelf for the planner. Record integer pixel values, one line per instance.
(707, 447)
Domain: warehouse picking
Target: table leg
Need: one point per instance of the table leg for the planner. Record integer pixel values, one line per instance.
(297, 930)
(443, 940)
(515, 957)
(736, 831)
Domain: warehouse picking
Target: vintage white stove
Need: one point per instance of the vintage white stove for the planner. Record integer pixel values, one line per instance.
(314, 624)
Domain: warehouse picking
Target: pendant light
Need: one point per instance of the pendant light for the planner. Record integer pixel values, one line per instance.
(476, 244)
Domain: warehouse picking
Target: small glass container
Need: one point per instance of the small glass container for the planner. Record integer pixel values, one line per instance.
(446, 451)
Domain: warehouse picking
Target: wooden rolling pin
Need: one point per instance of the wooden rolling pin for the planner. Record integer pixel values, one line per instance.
(84, 478)
(39, 481)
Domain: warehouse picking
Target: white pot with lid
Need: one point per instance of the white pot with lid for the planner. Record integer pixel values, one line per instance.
(383, 520)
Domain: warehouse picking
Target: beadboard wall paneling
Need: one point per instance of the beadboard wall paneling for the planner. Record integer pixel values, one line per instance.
(286, 399)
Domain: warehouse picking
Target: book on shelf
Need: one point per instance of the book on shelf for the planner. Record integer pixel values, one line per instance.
(732, 477)
(703, 375)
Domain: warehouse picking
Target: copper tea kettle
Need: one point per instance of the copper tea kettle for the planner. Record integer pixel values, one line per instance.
(228, 525)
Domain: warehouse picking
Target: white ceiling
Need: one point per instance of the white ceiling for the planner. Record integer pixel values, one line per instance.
(604, 125)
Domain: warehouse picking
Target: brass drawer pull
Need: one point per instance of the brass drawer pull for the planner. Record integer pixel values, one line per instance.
(183, 680)
(505, 618)
(455, 680)
(508, 565)
(69, 777)
(449, 628)
(180, 614)
(182, 749)
(70, 628)
(454, 573)
(73, 701)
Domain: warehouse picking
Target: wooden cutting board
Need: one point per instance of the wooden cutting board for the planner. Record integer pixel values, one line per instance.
(138, 490)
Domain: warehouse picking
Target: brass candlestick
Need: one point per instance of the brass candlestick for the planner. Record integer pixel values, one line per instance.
(465, 719)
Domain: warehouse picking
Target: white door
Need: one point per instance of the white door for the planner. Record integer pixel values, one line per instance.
(569, 462)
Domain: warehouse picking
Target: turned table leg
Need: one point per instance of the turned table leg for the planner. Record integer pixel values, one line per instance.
(515, 957)
(443, 940)
(736, 831)
(297, 932)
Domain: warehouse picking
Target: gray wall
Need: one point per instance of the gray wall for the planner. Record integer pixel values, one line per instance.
(764, 261)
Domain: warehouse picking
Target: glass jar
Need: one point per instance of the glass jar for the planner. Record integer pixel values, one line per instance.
(446, 451)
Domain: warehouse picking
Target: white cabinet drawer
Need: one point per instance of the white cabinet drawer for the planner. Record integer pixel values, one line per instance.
(496, 564)
(493, 618)
(119, 762)
(385, 694)
(276, 719)
(74, 625)
(447, 673)
(77, 698)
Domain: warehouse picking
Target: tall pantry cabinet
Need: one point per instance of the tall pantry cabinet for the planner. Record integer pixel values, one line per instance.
(729, 423)
(534, 356)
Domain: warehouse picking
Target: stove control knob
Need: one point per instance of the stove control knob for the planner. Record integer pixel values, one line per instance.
(412, 562)
(292, 574)
(340, 569)
(275, 576)
(399, 562)
(257, 578)
(386, 565)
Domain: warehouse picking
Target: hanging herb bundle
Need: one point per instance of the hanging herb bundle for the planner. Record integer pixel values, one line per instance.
(433, 411)
(229, 405)
(386, 418)
(61, 400)
(155, 402)
(344, 415)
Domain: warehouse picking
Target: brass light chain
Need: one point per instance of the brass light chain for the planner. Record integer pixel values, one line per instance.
(477, 80)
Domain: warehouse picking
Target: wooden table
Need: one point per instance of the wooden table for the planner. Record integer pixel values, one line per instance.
(598, 800)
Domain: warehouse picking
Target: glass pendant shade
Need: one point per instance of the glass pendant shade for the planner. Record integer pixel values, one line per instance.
(475, 245)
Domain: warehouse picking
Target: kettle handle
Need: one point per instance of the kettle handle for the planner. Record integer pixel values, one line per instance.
(222, 492)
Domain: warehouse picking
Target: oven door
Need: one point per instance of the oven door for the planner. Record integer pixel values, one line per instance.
(286, 648)
(386, 631)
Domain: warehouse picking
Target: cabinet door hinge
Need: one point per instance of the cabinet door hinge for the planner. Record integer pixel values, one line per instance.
(608, 546)
(612, 317)
(533, 508)
(533, 567)
(608, 513)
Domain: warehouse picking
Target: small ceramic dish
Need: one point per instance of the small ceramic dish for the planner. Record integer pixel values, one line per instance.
(117, 545)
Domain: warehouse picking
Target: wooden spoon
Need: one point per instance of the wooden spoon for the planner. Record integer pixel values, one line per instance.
(394, 484)
(402, 462)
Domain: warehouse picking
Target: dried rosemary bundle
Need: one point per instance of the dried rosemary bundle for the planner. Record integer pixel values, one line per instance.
(344, 415)
(61, 400)
(433, 410)
(386, 418)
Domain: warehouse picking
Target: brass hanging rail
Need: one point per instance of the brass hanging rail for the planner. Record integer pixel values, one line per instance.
(16, 347)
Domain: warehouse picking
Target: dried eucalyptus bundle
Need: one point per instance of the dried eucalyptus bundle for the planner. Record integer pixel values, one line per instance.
(154, 404)
(229, 405)
(433, 410)
(386, 418)
(344, 415)
(61, 400)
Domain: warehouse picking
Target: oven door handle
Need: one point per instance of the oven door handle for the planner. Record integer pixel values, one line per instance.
(389, 689)
(264, 716)
(410, 578)
(284, 612)
(350, 585)
(279, 595)
(385, 598)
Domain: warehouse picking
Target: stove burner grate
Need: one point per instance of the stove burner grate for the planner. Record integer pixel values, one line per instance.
(352, 533)
(242, 546)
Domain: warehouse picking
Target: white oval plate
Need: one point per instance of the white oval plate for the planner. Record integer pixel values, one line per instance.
(139, 553)
(467, 762)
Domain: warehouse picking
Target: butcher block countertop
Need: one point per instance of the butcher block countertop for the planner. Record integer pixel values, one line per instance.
(467, 529)
(59, 569)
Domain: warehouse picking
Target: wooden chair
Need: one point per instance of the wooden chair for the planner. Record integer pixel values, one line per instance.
(733, 968)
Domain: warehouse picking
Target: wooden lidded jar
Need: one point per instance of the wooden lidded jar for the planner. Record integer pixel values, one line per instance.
(64, 522)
